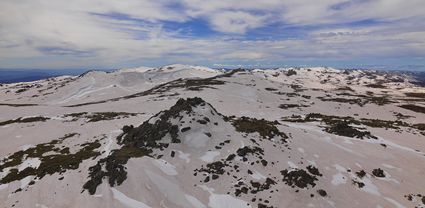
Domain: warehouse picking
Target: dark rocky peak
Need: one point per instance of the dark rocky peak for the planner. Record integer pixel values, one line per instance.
(150, 139)
(179, 118)
(186, 105)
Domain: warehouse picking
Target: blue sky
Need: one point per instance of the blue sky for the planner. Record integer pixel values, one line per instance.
(80, 34)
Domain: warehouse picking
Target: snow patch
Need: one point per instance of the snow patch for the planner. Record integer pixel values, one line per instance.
(26, 181)
(338, 179)
(209, 156)
(194, 201)
(331, 203)
(388, 178)
(3, 186)
(153, 120)
(30, 162)
(391, 167)
(107, 148)
(223, 200)
(27, 146)
(165, 167)
(206, 188)
(396, 203)
(226, 201)
(127, 201)
(323, 138)
(257, 175)
(196, 139)
(370, 187)
(312, 162)
(340, 168)
(184, 156)
(169, 190)
(301, 150)
(292, 165)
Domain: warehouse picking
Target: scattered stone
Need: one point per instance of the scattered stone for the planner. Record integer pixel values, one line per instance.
(361, 173)
(378, 173)
(185, 129)
(299, 178)
(358, 183)
(322, 192)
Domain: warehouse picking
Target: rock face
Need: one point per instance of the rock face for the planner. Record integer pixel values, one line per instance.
(185, 136)
(149, 139)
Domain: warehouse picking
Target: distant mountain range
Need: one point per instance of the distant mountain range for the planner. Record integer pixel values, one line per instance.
(22, 75)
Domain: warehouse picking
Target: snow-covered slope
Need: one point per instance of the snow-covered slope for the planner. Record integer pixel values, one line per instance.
(188, 136)
(96, 85)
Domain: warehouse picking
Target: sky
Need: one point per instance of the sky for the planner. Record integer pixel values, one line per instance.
(106, 34)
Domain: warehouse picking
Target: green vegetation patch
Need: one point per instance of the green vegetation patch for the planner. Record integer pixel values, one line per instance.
(288, 106)
(345, 88)
(415, 108)
(360, 100)
(377, 85)
(17, 105)
(25, 120)
(415, 94)
(301, 178)
(53, 159)
(351, 101)
(330, 120)
(266, 129)
(342, 128)
(99, 116)
(343, 125)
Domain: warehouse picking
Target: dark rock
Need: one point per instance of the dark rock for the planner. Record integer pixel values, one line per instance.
(299, 178)
(313, 170)
(322, 192)
(230, 157)
(185, 129)
(378, 173)
(361, 173)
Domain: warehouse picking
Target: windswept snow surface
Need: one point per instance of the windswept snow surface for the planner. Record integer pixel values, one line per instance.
(286, 137)
(126, 201)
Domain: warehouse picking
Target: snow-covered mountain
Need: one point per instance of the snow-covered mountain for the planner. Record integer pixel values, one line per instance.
(191, 136)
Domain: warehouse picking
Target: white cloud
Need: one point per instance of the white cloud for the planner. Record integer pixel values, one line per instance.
(235, 22)
(243, 55)
(58, 33)
(308, 12)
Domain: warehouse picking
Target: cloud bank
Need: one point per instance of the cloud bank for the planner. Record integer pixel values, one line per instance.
(113, 34)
